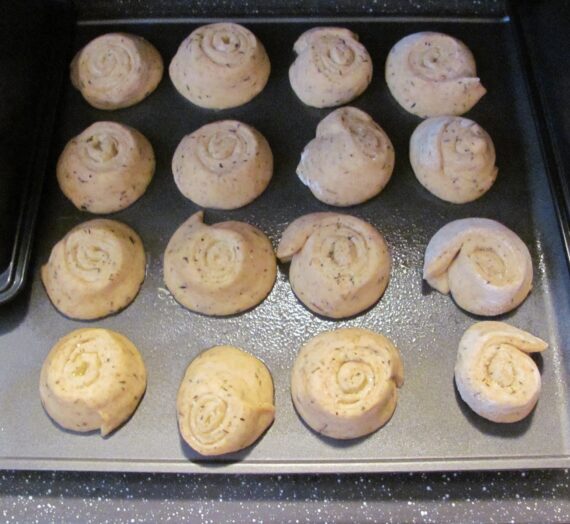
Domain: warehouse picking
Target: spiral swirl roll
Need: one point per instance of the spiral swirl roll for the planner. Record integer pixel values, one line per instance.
(350, 161)
(223, 165)
(95, 270)
(92, 379)
(220, 66)
(116, 70)
(433, 74)
(344, 383)
(106, 168)
(495, 375)
(222, 269)
(340, 265)
(453, 158)
(484, 265)
(225, 401)
(332, 67)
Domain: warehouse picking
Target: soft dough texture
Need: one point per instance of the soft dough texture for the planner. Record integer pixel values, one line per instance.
(116, 70)
(433, 74)
(220, 66)
(332, 67)
(225, 401)
(350, 161)
(345, 382)
(222, 269)
(95, 270)
(106, 168)
(340, 265)
(486, 267)
(92, 379)
(453, 158)
(494, 374)
(223, 165)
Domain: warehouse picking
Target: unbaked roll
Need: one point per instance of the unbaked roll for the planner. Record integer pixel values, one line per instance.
(332, 67)
(495, 375)
(345, 382)
(484, 265)
(92, 379)
(225, 401)
(433, 74)
(221, 269)
(95, 270)
(223, 165)
(116, 70)
(106, 168)
(350, 161)
(220, 66)
(340, 265)
(453, 158)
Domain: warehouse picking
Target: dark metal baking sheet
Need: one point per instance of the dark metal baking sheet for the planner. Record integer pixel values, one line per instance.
(431, 429)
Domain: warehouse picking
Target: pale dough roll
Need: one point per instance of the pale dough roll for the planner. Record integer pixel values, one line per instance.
(95, 270)
(92, 379)
(350, 161)
(220, 66)
(433, 74)
(106, 168)
(494, 374)
(222, 269)
(116, 70)
(340, 265)
(225, 401)
(345, 382)
(453, 158)
(484, 265)
(332, 67)
(223, 165)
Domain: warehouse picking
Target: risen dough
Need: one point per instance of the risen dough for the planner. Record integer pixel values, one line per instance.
(494, 374)
(486, 267)
(222, 269)
(92, 379)
(106, 168)
(225, 401)
(453, 158)
(345, 382)
(220, 66)
(433, 74)
(95, 270)
(223, 165)
(116, 70)
(340, 265)
(332, 67)
(350, 160)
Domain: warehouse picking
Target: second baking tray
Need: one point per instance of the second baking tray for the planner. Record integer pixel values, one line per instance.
(432, 428)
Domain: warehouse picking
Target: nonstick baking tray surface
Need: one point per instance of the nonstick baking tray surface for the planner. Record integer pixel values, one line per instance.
(431, 429)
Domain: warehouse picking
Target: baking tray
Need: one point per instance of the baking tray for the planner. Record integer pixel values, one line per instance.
(431, 429)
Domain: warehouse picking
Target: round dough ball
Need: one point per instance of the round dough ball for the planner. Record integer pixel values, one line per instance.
(106, 168)
(92, 379)
(220, 66)
(222, 269)
(116, 70)
(95, 270)
(345, 382)
(340, 265)
(350, 161)
(332, 67)
(484, 265)
(225, 401)
(495, 375)
(453, 158)
(433, 74)
(223, 165)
